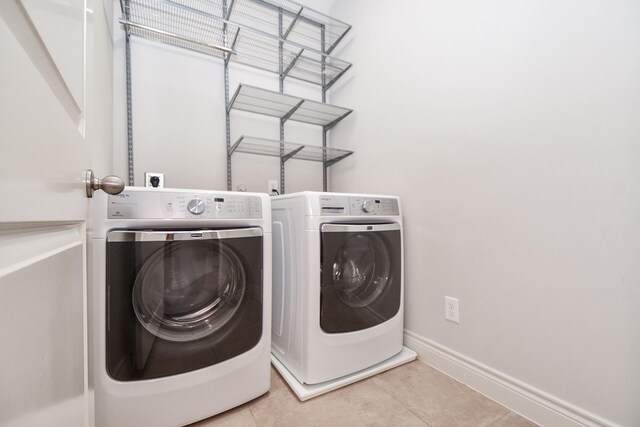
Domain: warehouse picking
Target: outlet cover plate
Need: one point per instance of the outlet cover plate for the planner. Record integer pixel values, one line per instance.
(451, 312)
(148, 176)
(273, 185)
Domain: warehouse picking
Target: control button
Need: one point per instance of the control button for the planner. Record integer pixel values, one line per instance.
(169, 206)
(196, 206)
(368, 206)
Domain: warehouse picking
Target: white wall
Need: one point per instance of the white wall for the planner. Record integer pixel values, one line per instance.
(179, 120)
(102, 95)
(511, 131)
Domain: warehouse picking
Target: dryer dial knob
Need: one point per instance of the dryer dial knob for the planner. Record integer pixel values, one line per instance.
(196, 206)
(368, 206)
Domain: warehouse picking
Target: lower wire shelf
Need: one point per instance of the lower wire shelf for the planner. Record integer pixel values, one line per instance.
(288, 150)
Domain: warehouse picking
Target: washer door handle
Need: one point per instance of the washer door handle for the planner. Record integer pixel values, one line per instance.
(358, 228)
(167, 236)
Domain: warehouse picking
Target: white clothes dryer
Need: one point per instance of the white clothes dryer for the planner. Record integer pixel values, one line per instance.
(180, 304)
(338, 284)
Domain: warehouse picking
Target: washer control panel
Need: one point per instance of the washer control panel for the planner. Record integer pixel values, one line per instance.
(157, 204)
(358, 205)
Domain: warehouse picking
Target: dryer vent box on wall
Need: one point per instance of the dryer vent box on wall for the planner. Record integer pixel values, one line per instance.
(154, 179)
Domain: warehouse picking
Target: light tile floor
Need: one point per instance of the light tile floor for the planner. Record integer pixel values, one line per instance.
(411, 395)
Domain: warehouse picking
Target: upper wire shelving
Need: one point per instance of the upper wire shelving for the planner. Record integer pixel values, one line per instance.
(279, 36)
(199, 25)
(299, 23)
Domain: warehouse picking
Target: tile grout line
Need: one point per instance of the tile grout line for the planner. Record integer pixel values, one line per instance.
(394, 398)
(509, 410)
(498, 419)
(253, 417)
(467, 389)
(255, 422)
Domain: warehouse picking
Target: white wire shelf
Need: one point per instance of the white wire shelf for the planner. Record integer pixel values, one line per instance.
(288, 150)
(300, 24)
(286, 107)
(198, 25)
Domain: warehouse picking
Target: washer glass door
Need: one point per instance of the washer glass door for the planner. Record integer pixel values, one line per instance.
(181, 300)
(361, 275)
(188, 291)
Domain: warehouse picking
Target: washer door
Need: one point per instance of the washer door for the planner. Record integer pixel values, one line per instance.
(361, 270)
(178, 301)
(188, 291)
(361, 275)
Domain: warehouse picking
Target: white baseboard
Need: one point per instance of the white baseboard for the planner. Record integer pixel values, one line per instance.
(531, 403)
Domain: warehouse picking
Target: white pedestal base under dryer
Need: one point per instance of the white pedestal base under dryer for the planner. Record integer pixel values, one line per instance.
(338, 283)
(180, 304)
(309, 391)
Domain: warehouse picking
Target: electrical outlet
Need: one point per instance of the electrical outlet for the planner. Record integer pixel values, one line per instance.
(154, 179)
(273, 187)
(451, 312)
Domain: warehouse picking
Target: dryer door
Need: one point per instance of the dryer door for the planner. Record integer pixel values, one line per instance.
(361, 275)
(181, 300)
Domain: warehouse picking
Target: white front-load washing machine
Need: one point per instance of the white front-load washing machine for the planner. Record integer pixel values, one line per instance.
(338, 284)
(180, 304)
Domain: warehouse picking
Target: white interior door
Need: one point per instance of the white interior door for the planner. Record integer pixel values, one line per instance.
(53, 103)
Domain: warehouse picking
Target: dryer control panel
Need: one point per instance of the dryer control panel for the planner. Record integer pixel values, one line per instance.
(205, 205)
(358, 205)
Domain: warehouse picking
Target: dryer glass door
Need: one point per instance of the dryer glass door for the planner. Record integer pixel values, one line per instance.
(181, 300)
(361, 275)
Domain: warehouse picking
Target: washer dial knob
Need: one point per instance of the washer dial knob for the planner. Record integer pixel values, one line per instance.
(196, 206)
(368, 206)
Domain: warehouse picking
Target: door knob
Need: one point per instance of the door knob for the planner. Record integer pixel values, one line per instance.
(109, 184)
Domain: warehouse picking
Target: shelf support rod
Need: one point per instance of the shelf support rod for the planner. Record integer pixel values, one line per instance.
(293, 23)
(323, 66)
(129, 110)
(227, 103)
(233, 149)
(227, 56)
(235, 40)
(335, 79)
(293, 110)
(337, 159)
(328, 126)
(293, 62)
(268, 4)
(335, 43)
(229, 9)
(293, 153)
(235, 95)
(281, 88)
(125, 9)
